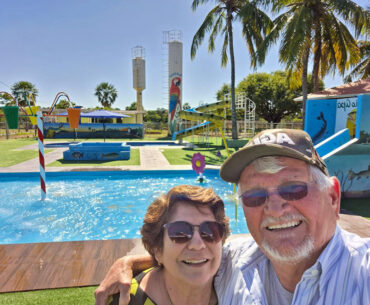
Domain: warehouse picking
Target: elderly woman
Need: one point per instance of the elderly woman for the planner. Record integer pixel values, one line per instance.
(183, 231)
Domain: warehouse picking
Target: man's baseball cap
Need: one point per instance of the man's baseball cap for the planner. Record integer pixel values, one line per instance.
(292, 143)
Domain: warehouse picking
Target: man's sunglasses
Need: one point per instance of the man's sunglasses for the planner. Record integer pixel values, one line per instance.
(182, 231)
(288, 191)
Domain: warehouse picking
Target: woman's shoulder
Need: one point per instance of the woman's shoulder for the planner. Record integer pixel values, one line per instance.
(137, 295)
(135, 283)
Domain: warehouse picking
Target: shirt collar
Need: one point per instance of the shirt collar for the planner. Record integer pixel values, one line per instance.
(328, 259)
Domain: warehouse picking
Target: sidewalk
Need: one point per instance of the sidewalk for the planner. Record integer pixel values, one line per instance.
(33, 165)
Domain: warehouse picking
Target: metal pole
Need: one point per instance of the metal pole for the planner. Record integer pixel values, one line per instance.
(245, 118)
(40, 133)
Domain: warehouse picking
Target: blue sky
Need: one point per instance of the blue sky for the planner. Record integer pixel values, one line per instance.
(73, 45)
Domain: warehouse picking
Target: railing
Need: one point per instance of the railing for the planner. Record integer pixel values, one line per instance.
(25, 128)
(158, 127)
(228, 127)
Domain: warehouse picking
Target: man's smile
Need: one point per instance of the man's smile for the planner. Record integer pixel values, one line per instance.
(287, 225)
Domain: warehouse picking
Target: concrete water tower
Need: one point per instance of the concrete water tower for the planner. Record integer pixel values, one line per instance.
(138, 69)
(174, 41)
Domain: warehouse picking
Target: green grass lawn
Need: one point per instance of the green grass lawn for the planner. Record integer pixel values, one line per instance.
(184, 156)
(9, 156)
(63, 296)
(134, 160)
(210, 151)
(359, 206)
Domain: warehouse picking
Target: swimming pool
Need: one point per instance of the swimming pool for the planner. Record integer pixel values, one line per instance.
(91, 205)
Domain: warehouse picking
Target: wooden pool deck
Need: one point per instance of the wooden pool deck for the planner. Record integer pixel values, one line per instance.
(25, 267)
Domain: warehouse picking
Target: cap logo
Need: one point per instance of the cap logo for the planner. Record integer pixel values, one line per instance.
(269, 138)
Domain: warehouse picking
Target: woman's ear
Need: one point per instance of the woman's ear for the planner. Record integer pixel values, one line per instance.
(158, 256)
(335, 194)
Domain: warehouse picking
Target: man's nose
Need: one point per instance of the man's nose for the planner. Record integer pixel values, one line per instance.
(275, 205)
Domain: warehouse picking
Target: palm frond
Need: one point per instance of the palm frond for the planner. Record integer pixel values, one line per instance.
(361, 70)
(345, 46)
(224, 57)
(294, 38)
(271, 38)
(218, 25)
(353, 13)
(196, 3)
(205, 27)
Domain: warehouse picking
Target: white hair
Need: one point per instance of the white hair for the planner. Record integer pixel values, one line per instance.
(273, 165)
(294, 256)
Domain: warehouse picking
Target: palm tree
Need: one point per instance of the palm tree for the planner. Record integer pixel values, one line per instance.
(6, 99)
(106, 94)
(313, 26)
(22, 89)
(362, 70)
(219, 20)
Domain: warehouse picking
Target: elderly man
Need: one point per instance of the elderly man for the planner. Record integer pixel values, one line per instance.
(298, 254)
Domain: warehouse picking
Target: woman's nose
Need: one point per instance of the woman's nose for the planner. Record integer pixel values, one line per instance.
(196, 242)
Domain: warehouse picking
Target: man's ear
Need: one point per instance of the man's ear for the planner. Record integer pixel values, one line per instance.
(335, 194)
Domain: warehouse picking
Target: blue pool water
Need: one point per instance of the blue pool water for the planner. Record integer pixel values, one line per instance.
(92, 205)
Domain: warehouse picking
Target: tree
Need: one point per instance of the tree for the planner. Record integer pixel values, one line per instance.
(271, 94)
(362, 70)
(64, 104)
(106, 94)
(160, 115)
(307, 25)
(186, 106)
(21, 88)
(6, 99)
(225, 89)
(132, 106)
(220, 21)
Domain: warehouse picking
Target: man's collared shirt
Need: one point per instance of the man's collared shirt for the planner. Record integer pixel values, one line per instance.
(340, 276)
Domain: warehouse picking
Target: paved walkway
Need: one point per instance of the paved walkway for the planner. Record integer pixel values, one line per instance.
(151, 157)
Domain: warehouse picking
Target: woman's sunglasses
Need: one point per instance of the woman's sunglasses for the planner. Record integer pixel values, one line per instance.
(182, 231)
(288, 191)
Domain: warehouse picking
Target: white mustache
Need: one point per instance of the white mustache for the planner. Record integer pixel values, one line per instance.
(284, 218)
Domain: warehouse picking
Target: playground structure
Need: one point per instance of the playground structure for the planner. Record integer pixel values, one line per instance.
(11, 111)
(340, 130)
(204, 117)
(207, 119)
(172, 40)
(32, 112)
(80, 151)
(56, 99)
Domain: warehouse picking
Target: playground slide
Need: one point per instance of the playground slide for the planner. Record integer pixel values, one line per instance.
(203, 114)
(335, 143)
(185, 132)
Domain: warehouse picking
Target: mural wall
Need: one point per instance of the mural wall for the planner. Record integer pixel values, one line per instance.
(90, 130)
(175, 84)
(351, 164)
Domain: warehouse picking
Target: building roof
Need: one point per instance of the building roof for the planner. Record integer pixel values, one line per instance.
(342, 91)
